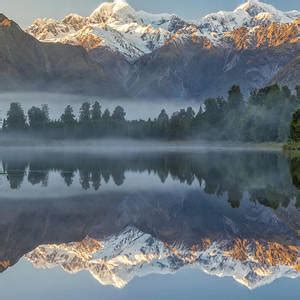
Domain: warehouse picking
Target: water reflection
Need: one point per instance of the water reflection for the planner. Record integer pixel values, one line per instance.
(228, 214)
(269, 178)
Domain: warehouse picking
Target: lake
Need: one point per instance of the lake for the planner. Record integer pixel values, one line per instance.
(196, 223)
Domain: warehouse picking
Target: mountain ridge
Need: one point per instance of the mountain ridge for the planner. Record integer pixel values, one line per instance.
(121, 28)
(119, 259)
(122, 52)
(121, 232)
(27, 63)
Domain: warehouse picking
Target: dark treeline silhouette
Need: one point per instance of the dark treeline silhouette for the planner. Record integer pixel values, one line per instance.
(264, 116)
(267, 177)
(295, 128)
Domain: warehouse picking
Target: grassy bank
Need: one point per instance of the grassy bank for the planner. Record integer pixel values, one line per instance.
(292, 149)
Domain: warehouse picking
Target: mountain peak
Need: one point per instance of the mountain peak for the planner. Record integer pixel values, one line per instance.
(6, 23)
(4, 20)
(253, 7)
(118, 9)
(2, 17)
(256, 7)
(133, 33)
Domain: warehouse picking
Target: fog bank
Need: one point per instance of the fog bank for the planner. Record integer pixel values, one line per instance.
(18, 144)
(135, 108)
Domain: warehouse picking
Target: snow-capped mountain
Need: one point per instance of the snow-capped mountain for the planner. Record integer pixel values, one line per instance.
(120, 28)
(115, 25)
(250, 14)
(121, 258)
(252, 46)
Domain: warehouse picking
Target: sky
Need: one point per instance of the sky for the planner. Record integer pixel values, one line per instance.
(25, 11)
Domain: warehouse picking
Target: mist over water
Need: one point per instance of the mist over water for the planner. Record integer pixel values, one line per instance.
(134, 108)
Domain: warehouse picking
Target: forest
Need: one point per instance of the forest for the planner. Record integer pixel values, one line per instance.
(263, 116)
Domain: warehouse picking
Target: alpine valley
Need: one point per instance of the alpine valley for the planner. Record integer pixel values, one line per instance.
(118, 51)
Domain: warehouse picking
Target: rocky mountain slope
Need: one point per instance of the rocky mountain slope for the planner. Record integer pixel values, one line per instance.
(29, 64)
(290, 73)
(138, 54)
(197, 70)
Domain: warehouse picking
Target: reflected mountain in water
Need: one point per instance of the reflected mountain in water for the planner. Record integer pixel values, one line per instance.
(229, 214)
(119, 259)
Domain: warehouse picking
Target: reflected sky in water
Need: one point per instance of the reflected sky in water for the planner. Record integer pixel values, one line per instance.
(149, 225)
(186, 284)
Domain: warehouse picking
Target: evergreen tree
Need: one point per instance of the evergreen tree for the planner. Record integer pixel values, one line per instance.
(38, 118)
(85, 112)
(180, 124)
(96, 179)
(119, 114)
(68, 176)
(200, 113)
(212, 112)
(96, 111)
(272, 96)
(190, 113)
(16, 119)
(298, 92)
(163, 123)
(45, 110)
(106, 115)
(4, 124)
(85, 178)
(295, 126)
(235, 98)
(163, 117)
(68, 117)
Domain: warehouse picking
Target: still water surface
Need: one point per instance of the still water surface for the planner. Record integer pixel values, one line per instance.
(195, 225)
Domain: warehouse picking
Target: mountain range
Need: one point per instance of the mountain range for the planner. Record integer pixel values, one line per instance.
(121, 258)
(120, 51)
(131, 254)
(128, 235)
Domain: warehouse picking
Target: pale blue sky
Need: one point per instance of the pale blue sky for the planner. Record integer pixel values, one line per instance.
(25, 11)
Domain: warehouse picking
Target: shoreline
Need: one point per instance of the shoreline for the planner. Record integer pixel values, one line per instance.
(292, 149)
(132, 146)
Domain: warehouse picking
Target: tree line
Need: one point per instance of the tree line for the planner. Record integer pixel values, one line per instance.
(223, 174)
(263, 116)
